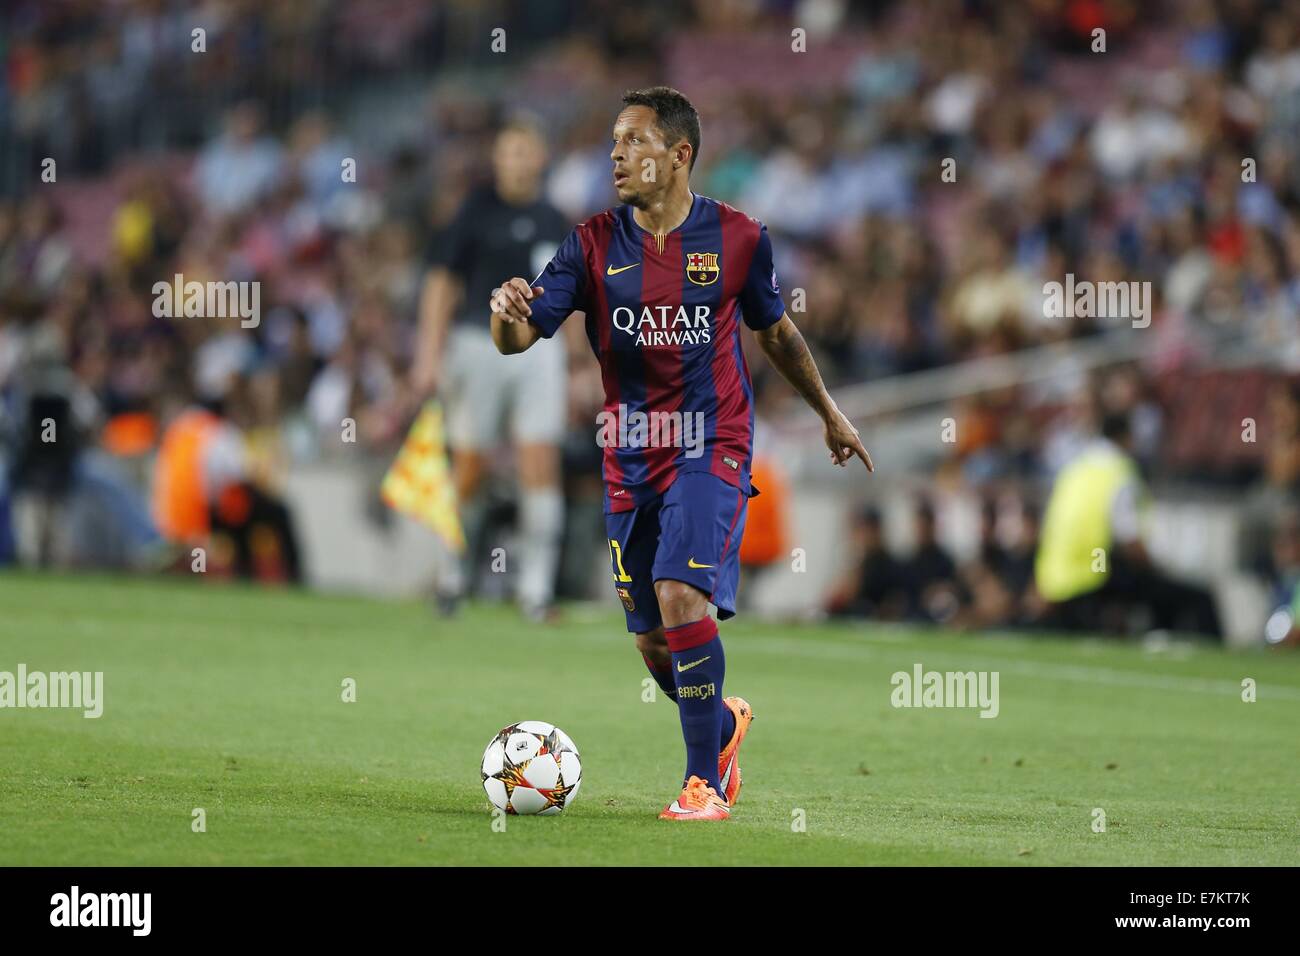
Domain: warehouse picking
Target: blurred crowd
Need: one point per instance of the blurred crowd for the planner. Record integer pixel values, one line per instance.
(923, 170)
(994, 589)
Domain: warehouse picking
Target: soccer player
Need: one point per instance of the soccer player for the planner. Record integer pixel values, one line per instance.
(665, 281)
(507, 225)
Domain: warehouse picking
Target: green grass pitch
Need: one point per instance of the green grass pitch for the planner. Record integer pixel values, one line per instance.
(230, 699)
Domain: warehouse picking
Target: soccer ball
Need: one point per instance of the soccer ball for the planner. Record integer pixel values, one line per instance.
(531, 767)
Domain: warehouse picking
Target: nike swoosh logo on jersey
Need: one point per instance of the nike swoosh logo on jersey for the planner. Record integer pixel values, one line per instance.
(690, 563)
(680, 668)
(611, 271)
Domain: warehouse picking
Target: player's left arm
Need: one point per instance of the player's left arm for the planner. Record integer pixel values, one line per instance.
(764, 312)
(785, 348)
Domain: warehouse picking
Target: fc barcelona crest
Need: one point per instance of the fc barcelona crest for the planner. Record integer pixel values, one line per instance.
(625, 596)
(702, 267)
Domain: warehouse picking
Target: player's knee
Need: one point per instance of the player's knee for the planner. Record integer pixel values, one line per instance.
(653, 644)
(680, 603)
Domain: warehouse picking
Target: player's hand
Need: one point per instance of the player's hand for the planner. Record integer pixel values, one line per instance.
(511, 300)
(843, 441)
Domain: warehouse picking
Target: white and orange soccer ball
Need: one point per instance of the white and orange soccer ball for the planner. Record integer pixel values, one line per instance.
(531, 767)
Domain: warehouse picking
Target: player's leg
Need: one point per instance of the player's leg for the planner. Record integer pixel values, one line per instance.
(633, 538)
(538, 415)
(653, 646)
(700, 525)
(659, 661)
(698, 669)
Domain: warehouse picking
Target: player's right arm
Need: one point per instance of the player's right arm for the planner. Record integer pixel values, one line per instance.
(523, 312)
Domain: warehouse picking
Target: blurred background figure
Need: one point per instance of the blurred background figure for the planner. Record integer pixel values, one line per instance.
(69, 505)
(930, 573)
(991, 582)
(874, 584)
(503, 229)
(1092, 566)
(240, 168)
(1284, 624)
(207, 496)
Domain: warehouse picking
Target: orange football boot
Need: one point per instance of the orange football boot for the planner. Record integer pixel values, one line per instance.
(698, 801)
(728, 764)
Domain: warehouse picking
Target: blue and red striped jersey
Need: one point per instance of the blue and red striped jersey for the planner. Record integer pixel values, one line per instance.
(663, 318)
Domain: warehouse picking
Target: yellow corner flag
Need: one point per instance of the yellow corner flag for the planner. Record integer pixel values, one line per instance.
(419, 483)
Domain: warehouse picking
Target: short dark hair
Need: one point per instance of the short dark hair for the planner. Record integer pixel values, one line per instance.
(523, 122)
(674, 113)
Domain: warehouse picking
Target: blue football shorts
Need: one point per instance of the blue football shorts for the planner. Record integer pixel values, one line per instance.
(689, 533)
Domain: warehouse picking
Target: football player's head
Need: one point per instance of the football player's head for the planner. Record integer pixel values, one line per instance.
(519, 156)
(656, 140)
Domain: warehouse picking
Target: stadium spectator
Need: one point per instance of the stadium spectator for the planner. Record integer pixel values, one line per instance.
(67, 502)
(990, 600)
(874, 584)
(1092, 565)
(930, 573)
(206, 495)
(242, 167)
(1016, 569)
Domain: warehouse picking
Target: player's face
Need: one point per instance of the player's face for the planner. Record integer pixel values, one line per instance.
(518, 157)
(642, 160)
